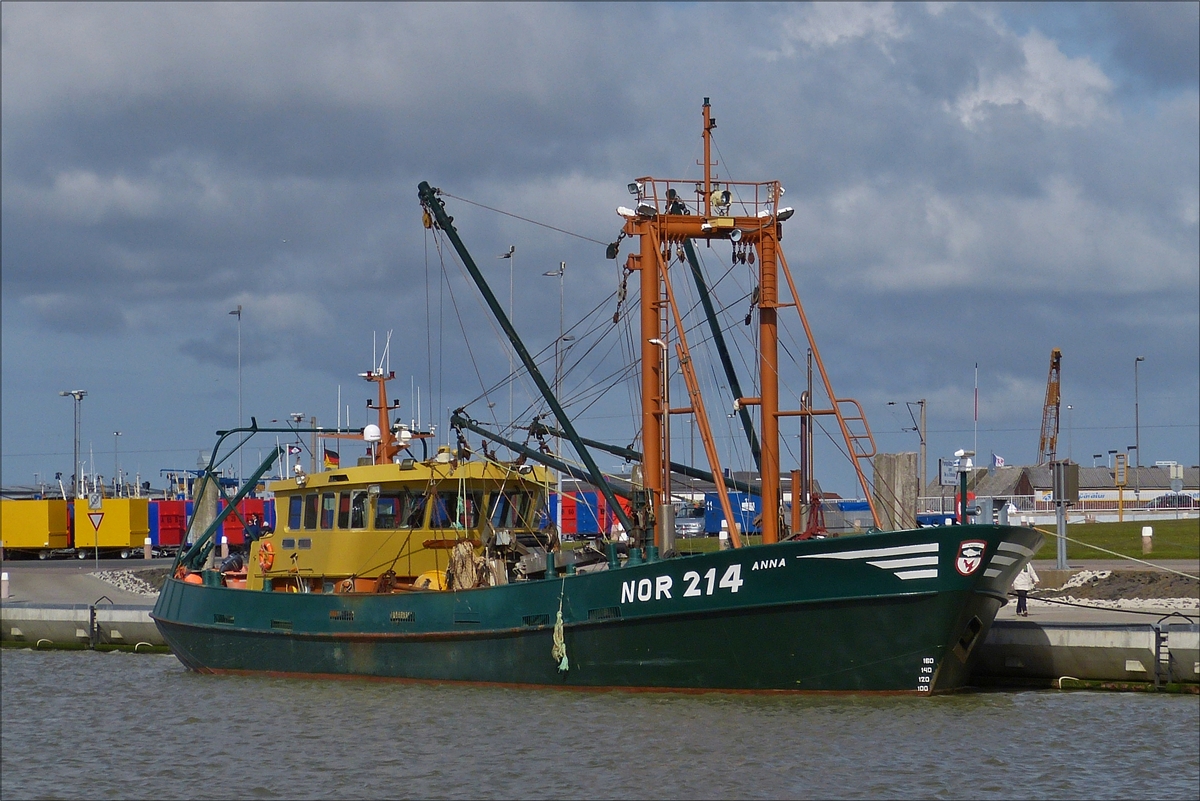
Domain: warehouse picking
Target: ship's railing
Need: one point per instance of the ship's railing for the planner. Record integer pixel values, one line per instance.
(726, 198)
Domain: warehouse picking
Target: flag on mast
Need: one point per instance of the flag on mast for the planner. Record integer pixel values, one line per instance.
(332, 459)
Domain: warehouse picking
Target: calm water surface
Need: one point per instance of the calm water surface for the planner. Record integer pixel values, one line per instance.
(97, 725)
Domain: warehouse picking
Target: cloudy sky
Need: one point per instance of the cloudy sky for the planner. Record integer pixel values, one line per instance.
(973, 184)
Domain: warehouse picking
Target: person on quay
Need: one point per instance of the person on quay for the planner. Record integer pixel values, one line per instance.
(1025, 581)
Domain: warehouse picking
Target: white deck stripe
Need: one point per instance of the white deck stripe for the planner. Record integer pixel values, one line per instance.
(916, 574)
(915, 561)
(1014, 547)
(992, 572)
(899, 550)
(1003, 560)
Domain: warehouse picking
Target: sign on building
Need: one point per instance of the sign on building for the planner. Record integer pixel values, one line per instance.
(948, 472)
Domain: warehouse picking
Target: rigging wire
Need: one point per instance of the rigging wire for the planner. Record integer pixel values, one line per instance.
(524, 219)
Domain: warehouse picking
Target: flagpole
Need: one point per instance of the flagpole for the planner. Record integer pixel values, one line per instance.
(977, 407)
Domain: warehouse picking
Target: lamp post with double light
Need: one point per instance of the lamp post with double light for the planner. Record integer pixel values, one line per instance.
(116, 466)
(78, 395)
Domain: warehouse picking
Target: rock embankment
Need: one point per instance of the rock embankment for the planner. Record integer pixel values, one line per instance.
(1112, 585)
(138, 582)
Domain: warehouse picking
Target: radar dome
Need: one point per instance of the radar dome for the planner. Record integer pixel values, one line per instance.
(371, 433)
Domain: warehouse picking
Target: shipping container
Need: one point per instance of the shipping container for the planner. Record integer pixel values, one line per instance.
(34, 527)
(172, 524)
(746, 508)
(114, 526)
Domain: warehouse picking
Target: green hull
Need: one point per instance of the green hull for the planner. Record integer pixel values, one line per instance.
(886, 612)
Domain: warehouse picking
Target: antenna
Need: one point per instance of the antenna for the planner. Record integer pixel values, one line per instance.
(387, 350)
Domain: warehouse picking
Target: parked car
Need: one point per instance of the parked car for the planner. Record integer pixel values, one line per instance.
(689, 521)
(1173, 501)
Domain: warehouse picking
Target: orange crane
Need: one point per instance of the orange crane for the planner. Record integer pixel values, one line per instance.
(1049, 439)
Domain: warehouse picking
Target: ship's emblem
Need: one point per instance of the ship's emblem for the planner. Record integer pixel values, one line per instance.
(970, 556)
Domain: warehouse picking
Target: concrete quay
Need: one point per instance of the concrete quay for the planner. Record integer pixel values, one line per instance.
(1150, 645)
(62, 603)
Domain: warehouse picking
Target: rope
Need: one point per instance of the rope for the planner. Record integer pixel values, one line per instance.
(1155, 613)
(1114, 553)
(559, 652)
(524, 219)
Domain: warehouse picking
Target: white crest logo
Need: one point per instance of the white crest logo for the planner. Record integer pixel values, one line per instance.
(970, 556)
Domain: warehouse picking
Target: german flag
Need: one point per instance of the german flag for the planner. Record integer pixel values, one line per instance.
(332, 460)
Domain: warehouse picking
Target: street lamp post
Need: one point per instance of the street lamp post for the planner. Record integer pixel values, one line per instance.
(1070, 408)
(562, 268)
(919, 427)
(1137, 436)
(238, 313)
(116, 466)
(512, 249)
(78, 395)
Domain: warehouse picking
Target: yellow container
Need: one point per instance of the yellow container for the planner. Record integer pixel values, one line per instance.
(116, 523)
(33, 525)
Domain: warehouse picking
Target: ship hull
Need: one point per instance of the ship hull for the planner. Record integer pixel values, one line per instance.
(886, 612)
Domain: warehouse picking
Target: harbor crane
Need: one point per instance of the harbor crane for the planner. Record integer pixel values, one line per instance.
(1048, 442)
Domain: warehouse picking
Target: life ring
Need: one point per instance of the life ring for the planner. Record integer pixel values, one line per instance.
(266, 555)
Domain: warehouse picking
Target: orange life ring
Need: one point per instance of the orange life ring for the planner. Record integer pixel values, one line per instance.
(266, 555)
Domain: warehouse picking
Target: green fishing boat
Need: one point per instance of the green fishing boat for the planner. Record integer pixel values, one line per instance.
(446, 568)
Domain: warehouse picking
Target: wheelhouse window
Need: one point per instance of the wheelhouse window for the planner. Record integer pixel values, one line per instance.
(328, 505)
(399, 510)
(511, 510)
(310, 510)
(358, 509)
(295, 504)
(344, 510)
(455, 510)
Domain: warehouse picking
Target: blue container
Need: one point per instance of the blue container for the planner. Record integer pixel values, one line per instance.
(586, 514)
(746, 508)
(153, 518)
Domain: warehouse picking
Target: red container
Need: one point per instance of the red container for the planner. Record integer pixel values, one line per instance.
(172, 522)
(567, 499)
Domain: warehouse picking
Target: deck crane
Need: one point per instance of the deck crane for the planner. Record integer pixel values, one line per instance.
(1048, 442)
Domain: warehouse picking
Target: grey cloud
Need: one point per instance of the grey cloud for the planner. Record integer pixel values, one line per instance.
(1157, 41)
(156, 158)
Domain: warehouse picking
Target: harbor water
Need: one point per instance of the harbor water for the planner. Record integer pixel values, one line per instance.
(116, 725)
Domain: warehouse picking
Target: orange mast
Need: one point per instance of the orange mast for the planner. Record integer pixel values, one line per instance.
(662, 220)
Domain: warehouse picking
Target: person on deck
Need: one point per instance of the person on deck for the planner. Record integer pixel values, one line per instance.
(1025, 581)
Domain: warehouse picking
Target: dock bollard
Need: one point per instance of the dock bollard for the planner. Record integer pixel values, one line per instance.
(224, 547)
(3, 585)
(1147, 539)
(146, 548)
